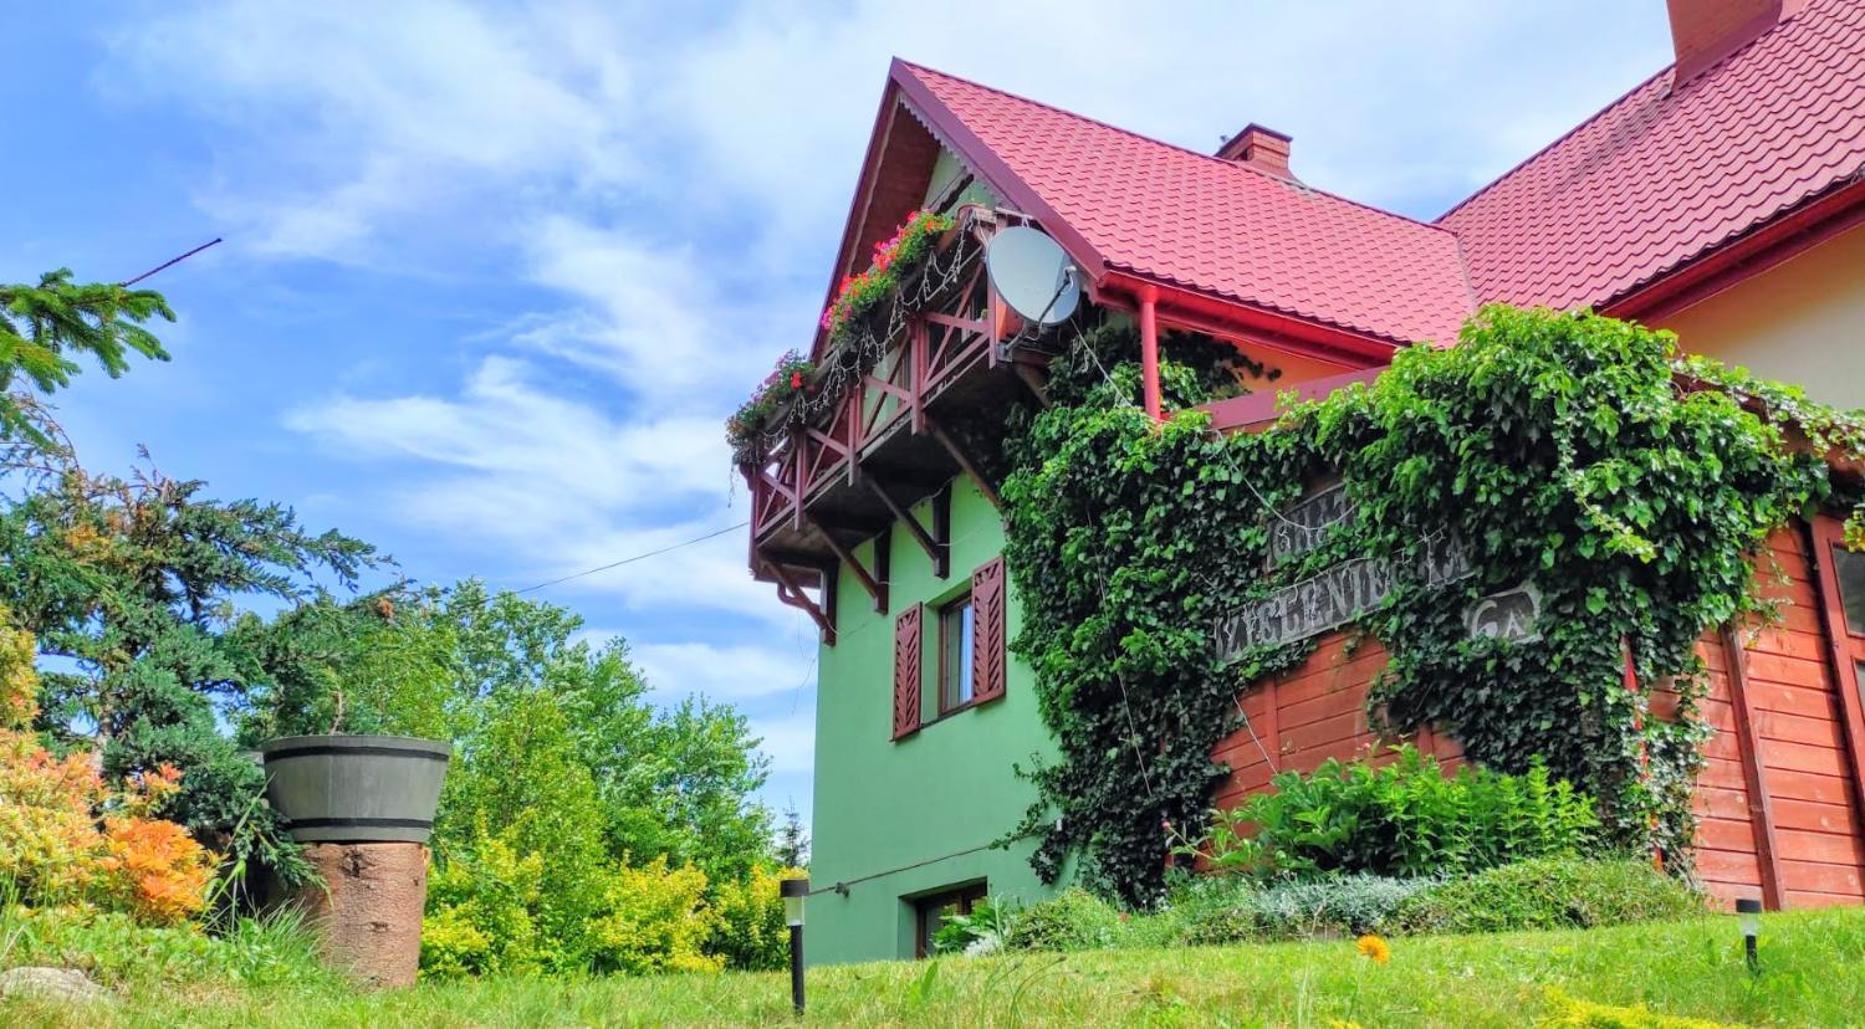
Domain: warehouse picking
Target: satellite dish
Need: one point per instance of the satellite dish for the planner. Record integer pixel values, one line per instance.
(1033, 275)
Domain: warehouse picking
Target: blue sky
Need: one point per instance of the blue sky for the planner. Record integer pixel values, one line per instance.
(495, 273)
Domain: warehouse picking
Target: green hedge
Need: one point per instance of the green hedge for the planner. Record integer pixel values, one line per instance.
(1550, 893)
(1555, 893)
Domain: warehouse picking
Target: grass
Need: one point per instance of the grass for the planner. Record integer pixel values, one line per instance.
(1813, 974)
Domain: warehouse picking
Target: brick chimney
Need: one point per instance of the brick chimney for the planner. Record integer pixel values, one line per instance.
(1266, 150)
(1706, 31)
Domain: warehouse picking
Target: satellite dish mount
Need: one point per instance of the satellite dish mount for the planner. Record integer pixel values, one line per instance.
(1033, 275)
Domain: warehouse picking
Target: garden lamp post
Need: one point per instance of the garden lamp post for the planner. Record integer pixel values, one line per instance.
(793, 892)
(1748, 915)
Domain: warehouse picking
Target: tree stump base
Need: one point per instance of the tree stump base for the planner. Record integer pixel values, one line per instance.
(367, 916)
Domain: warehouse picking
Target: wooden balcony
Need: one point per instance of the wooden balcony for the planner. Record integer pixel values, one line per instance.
(931, 407)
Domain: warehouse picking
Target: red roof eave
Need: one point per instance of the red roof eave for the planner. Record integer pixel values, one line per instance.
(1227, 318)
(1761, 248)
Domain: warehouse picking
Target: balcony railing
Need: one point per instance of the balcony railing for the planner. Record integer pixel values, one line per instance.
(944, 351)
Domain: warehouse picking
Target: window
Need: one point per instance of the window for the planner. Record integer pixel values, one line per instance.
(957, 637)
(1849, 569)
(931, 913)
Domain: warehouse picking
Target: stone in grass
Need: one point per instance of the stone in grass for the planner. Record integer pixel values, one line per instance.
(59, 985)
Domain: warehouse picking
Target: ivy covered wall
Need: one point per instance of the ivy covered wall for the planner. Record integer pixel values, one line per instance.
(1574, 452)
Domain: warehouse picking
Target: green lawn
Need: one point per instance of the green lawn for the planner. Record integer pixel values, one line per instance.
(1813, 974)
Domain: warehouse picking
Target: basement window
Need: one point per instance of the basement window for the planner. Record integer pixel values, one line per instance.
(957, 637)
(931, 914)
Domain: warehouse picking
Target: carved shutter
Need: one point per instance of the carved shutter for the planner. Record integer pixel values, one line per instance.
(907, 672)
(987, 621)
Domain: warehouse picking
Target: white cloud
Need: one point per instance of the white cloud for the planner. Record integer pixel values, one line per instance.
(642, 316)
(789, 741)
(505, 426)
(559, 486)
(729, 672)
(382, 109)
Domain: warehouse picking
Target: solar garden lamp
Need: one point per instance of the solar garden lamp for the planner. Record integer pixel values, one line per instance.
(794, 891)
(1748, 916)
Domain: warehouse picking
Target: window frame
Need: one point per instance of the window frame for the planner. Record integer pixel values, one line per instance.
(964, 898)
(1845, 644)
(966, 657)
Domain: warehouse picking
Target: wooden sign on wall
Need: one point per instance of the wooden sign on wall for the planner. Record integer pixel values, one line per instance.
(1303, 525)
(1333, 598)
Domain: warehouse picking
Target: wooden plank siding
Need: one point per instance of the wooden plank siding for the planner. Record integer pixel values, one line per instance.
(1779, 818)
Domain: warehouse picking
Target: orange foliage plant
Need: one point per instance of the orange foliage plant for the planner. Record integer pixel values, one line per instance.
(67, 837)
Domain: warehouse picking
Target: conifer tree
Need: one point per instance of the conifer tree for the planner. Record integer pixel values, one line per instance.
(45, 328)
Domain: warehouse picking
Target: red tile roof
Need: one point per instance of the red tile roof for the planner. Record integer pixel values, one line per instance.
(1215, 226)
(1658, 177)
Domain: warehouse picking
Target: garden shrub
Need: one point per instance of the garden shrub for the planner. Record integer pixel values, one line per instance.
(1072, 920)
(1552, 893)
(750, 933)
(489, 914)
(482, 913)
(1347, 906)
(67, 837)
(1403, 819)
(986, 930)
(657, 920)
(1231, 909)
(19, 683)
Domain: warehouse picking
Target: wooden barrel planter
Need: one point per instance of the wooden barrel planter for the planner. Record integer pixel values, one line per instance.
(363, 807)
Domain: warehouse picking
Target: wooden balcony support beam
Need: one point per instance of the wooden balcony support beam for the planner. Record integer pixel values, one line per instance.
(935, 546)
(792, 594)
(1034, 380)
(965, 462)
(874, 582)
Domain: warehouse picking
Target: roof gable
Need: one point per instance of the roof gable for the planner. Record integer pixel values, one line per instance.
(1122, 202)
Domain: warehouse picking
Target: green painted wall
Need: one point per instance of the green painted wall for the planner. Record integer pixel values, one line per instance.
(881, 806)
(947, 168)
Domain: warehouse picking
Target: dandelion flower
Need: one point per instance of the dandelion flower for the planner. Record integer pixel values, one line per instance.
(1374, 947)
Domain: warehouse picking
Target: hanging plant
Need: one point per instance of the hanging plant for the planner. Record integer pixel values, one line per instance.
(893, 258)
(794, 390)
(771, 402)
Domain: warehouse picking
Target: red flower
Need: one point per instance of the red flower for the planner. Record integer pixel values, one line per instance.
(796, 380)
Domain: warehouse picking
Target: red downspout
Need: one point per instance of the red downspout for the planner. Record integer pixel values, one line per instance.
(1149, 352)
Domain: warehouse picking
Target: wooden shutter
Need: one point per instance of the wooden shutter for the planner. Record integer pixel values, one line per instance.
(907, 672)
(988, 599)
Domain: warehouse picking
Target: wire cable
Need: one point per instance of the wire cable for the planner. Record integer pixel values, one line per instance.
(638, 557)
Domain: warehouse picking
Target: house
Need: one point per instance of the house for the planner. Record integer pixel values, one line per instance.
(1721, 198)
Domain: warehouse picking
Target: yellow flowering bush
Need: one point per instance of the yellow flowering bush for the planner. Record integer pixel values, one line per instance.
(1573, 1011)
(657, 920)
(750, 932)
(482, 913)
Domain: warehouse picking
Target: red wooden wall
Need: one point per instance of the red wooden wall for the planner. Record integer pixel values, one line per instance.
(1311, 713)
(1798, 756)
(1798, 843)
